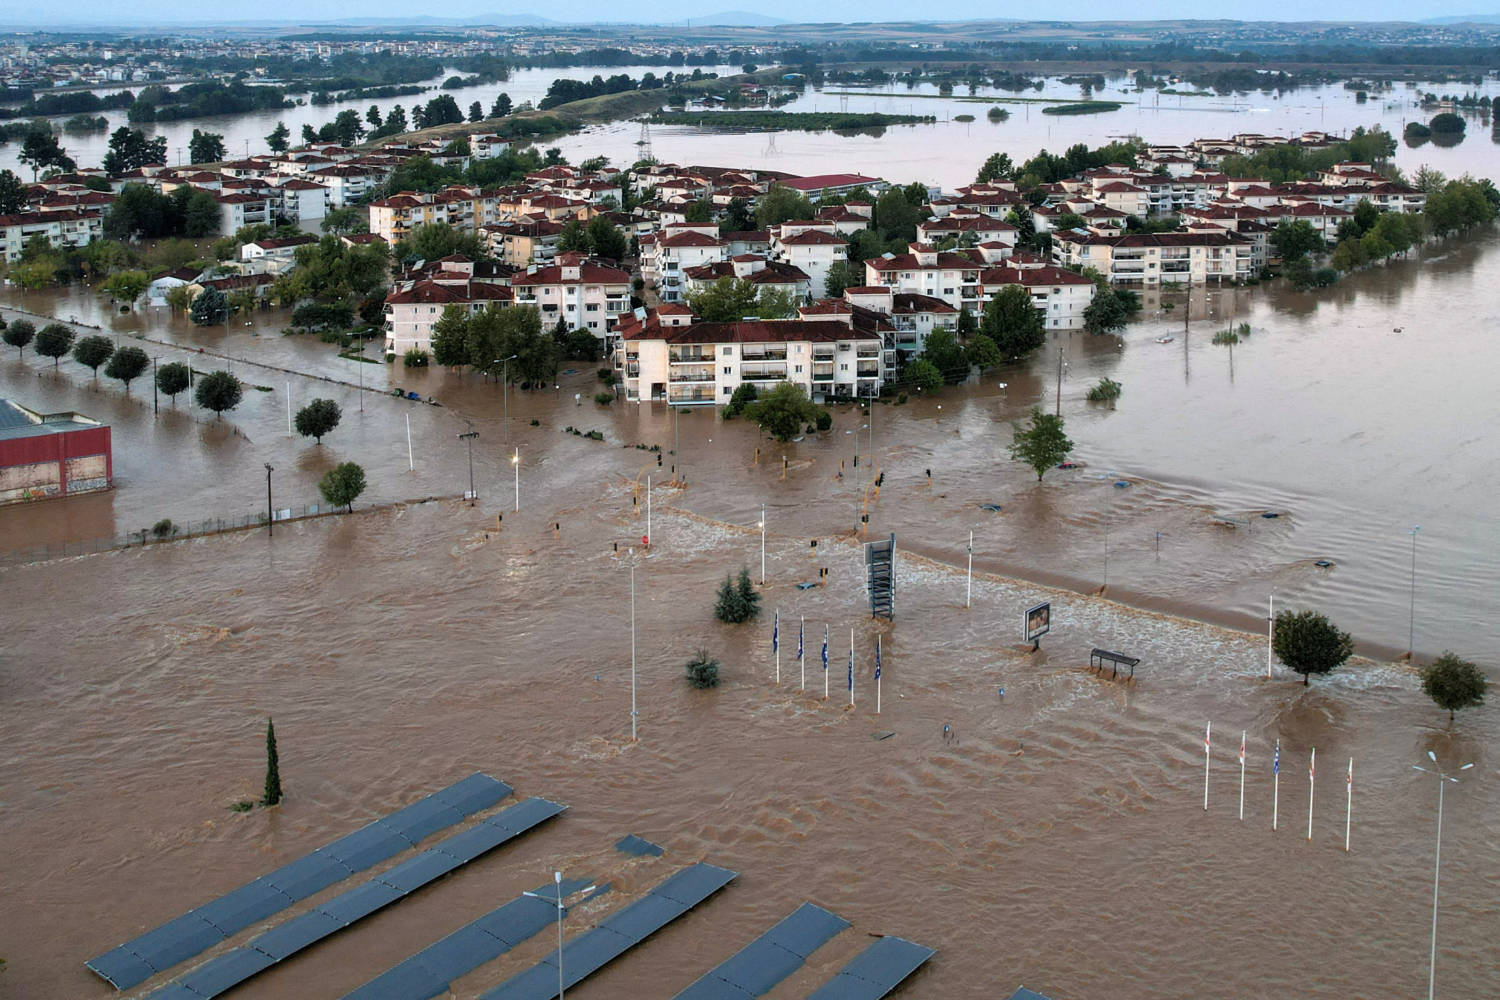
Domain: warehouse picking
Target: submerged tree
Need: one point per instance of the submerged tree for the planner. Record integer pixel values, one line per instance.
(1309, 643)
(1042, 444)
(1453, 683)
(272, 794)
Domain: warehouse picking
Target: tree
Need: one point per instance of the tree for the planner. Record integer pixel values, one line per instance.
(12, 193)
(703, 670)
(172, 378)
(91, 352)
(1106, 313)
(1013, 322)
(783, 411)
(1042, 444)
(127, 286)
(279, 139)
(501, 107)
(983, 352)
(450, 338)
(18, 335)
(177, 298)
(727, 606)
(744, 394)
(946, 354)
(1453, 683)
(997, 168)
(53, 341)
(1293, 240)
(782, 204)
(1308, 643)
(318, 418)
(210, 308)
(895, 216)
(349, 219)
(840, 277)
(127, 364)
(749, 597)
(605, 239)
(573, 238)
(219, 391)
(923, 376)
(737, 217)
(206, 147)
(1447, 123)
(967, 324)
(272, 794)
(476, 112)
(582, 345)
(40, 151)
(129, 149)
(343, 484)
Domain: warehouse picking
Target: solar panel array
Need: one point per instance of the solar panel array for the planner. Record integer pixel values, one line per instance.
(760, 965)
(429, 972)
(159, 949)
(875, 971)
(1024, 994)
(616, 934)
(284, 940)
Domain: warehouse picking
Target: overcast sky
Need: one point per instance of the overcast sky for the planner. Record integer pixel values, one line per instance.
(142, 12)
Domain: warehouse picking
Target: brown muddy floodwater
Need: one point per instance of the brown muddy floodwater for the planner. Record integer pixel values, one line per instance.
(1060, 841)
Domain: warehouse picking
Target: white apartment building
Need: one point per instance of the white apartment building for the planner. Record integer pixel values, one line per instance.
(411, 313)
(583, 294)
(1158, 258)
(665, 256)
(811, 250)
(65, 228)
(673, 358)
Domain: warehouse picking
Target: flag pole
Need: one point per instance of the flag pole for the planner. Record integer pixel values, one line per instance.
(877, 666)
(825, 662)
(801, 656)
(1349, 805)
(1207, 736)
(1242, 774)
(851, 668)
(648, 511)
(1270, 625)
(1276, 782)
(969, 592)
(1312, 770)
(776, 642)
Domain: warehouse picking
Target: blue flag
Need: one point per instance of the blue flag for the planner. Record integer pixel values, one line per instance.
(776, 631)
(800, 625)
(1276, 761)
(851, 666)
(877, 657)
(825, 648)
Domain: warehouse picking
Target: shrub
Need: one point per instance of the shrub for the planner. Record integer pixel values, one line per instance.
(825, 420)
(1309, 643)
(415, 358)
(604, 398)
(1453, 683)
(164, 528)
(737, 601)
(703, 670)
(1106, 391)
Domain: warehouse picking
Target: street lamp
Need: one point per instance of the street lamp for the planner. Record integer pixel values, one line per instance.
(468, 437)
(676, 448)
(557, 881)
(633, 712)
(270, 517)
(762, 525)
(361, 374)
(1437, 863)
(504, 364)
(515, 460)
(1411, 628)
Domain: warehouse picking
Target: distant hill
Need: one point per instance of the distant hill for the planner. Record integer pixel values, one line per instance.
(739, 19)
(1464, 19)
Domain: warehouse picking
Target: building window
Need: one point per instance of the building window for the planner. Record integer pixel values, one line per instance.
(843, 368)
(728, 351)
(727, 391)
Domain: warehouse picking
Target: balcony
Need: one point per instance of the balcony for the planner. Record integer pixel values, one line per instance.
(691, 375)
(690, 357)
(763, 354)
(690, 395)
(868, 369)
(867, 352)
(756, 373)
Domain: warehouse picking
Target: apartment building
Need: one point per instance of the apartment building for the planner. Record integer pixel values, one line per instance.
(583, 294)
(1157, 258)
(411, 312)
(62, 228)
(666, 255)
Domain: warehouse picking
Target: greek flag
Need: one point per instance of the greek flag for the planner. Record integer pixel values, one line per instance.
(851, 666)
(877, 657)
(1276, 760)
(825, 648)
(776, 632)
(799, 640)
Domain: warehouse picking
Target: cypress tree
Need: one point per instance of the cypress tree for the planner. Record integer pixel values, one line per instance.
(749, 597)
(729, 607)
(273, 772)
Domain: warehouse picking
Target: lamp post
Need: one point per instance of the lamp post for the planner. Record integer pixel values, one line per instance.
(270, 516)
(515, 460)
(504, 364)
(155, 407)
(633, 712)
(762, 526)
(361, 374)
(1437, 863)
(1411, 627)
(557, 881)
(676, 447)
(468, 438)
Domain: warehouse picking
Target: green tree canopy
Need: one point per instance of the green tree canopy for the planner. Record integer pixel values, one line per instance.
(172, 378)
(18, 334)
(91, 352)
(1454, 683)
(1106, 313)
(54, 341)
(219, 391)
(1309, 643)
(127, 364)
(946, 354)
(450, 338)
(1042, 444)
(206, 147)
(983, 352)
(129, 149)
(127, 286)
(922, 375)
(342, 485)
(783, 411)
(318, 418)
(279, 139)
(209, 308)
(1013, 322)
(12, 193)
(782, 204)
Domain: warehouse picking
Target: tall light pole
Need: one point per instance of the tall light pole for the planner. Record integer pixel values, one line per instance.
(361, 374)
(1108, 511)
(633, 712)
(762, 526)
(1411, 627)
(515, 460)
(468, 437)
(270, 515)
(504, 364)
(676, 447)
(155, 406)
(557, 881)
(1437, 864)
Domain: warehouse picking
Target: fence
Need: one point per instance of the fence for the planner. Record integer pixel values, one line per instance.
(169, 531)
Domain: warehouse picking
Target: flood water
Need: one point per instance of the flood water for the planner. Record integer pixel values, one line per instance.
(1059, 841)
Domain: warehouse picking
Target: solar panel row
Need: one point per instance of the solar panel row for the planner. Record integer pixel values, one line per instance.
(875, 971)
(760, 965)
(284, 940)
(616, 934)
(159, 949)
(429, 972)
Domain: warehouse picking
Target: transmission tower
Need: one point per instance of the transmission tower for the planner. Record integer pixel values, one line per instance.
(643, 144)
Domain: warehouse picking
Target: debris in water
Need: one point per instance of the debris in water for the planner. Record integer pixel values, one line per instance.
(884, 734)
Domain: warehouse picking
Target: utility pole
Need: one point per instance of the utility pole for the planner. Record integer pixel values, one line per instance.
(468, 437)
(1058, 410)
(270, 514)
